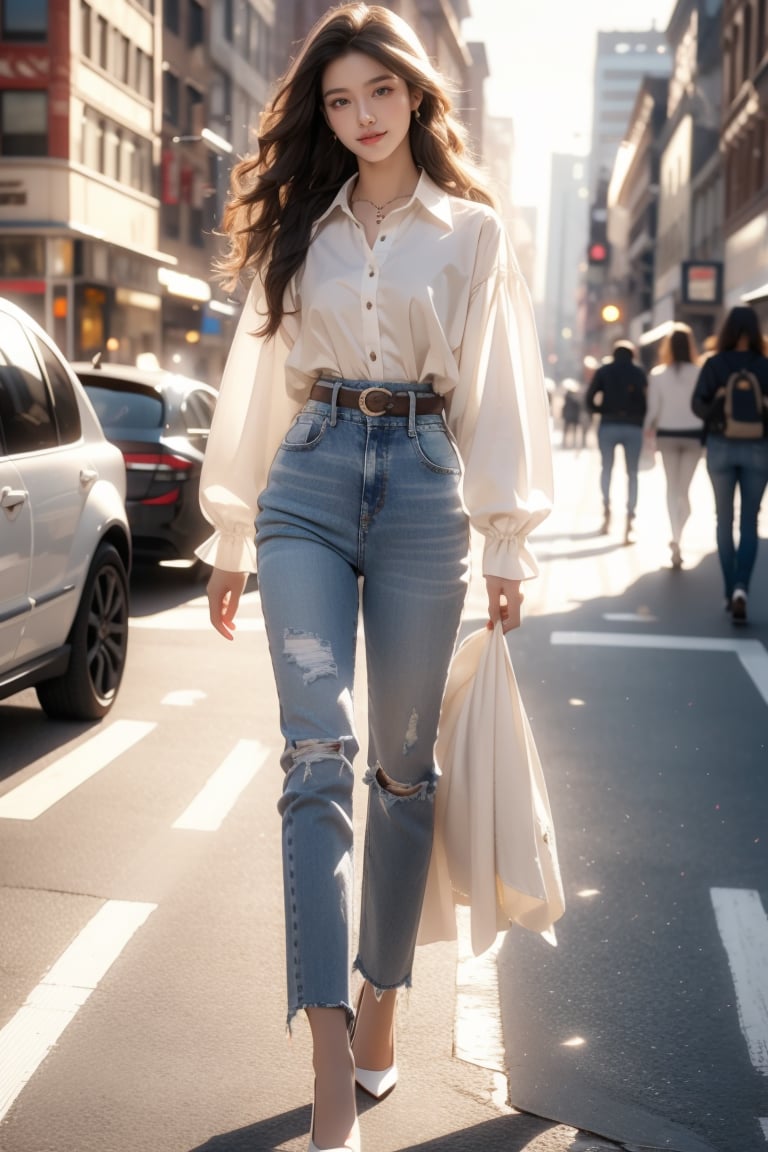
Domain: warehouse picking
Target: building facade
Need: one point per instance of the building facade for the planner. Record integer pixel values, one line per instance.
(744, 148)
(622, 60)
(79, 152)
(689, 254)
(633, 196)
(112, 176)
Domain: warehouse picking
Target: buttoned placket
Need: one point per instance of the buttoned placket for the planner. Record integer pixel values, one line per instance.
(375, 257)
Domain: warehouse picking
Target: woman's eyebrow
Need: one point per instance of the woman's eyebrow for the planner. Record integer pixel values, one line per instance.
(368, 83)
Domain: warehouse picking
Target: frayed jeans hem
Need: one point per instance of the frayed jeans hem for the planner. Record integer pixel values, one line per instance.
(292, 1012)
(358, 967)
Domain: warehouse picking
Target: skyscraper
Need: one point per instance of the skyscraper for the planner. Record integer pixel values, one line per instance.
(621, 61)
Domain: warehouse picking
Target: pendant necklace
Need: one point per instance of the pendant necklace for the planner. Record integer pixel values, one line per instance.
(380, 207)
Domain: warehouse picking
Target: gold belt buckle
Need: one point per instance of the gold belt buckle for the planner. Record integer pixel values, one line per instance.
(363, 402)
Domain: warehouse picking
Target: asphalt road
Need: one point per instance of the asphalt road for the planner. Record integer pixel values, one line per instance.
(649, 1022)
(141, 954)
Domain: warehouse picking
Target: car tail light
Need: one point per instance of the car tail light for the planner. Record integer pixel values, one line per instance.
(156, 462)
(167, 497)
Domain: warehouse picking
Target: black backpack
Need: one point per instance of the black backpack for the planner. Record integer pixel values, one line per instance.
(744, 406)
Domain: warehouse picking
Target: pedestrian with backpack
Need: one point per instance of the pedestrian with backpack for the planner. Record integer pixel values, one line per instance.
(621, 386)
(731, 397)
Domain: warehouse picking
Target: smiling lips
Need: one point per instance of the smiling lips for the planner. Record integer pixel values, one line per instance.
(370, 138)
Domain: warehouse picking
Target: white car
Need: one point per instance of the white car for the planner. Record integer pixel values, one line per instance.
(65, 546)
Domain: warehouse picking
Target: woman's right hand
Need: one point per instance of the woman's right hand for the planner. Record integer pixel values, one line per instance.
(224, 592)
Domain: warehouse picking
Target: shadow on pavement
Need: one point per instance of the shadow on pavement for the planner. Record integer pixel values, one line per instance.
(155, 589)
(512, 1133)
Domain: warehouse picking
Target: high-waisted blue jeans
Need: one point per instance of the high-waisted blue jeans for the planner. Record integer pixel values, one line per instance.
(369, 503)
(733, 464)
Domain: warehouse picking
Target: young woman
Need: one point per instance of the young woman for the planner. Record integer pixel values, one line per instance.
(735, 462)
(678, 433)
(384, 390)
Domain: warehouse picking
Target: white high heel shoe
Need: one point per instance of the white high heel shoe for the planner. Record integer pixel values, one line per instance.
(376, 1083)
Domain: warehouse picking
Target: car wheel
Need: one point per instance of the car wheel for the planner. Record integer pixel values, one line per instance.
(99, 645)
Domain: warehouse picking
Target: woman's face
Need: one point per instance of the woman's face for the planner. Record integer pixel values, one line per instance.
(367, 106)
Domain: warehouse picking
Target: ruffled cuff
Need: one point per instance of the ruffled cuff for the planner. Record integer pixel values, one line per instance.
(509, 557)
(229, 551)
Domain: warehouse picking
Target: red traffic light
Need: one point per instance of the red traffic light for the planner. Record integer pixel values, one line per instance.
(598, 253)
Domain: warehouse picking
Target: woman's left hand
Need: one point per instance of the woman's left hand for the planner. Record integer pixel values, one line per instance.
(504, 602)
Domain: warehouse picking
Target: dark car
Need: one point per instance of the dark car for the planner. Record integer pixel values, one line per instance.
(65, 546)
(160, 422)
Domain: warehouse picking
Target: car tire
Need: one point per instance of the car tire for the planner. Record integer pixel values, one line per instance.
(99, 645)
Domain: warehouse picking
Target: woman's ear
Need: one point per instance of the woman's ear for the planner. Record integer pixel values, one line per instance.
(416, 98)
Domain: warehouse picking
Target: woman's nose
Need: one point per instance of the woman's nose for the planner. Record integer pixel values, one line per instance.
(366, 117)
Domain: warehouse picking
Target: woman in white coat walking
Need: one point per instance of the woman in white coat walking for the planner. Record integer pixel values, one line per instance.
(677, 431)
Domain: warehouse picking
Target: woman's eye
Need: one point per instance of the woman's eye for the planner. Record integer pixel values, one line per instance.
(339, 102)
(383, 91)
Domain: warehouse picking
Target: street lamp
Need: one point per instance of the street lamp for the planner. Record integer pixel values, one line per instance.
(610, 313)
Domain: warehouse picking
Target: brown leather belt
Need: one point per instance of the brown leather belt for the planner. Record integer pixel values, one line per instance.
(377, 400)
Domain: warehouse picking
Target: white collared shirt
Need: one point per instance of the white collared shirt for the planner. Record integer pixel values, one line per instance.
(439, 297)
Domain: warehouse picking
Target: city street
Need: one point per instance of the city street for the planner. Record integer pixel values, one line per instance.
(142, 994)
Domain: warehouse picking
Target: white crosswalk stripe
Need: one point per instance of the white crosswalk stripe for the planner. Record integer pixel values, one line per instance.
(28, 1037)
(214, 802)
(36, 795)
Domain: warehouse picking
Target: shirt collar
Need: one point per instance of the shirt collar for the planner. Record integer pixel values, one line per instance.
(427, 193)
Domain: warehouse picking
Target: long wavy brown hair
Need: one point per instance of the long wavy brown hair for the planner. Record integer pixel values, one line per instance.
(277, 193)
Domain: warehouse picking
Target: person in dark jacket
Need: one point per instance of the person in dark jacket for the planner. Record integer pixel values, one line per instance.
(735, 462)
(621, 386)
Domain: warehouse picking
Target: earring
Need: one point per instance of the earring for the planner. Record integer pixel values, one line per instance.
(417, 114)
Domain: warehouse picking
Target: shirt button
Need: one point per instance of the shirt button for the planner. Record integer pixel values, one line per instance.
(368, 304)
(372, 355)
(371, 272)
(382, 238)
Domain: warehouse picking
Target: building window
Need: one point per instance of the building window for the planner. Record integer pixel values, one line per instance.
(86, 39)
(220, 96)
(196, 228)
(194, 122)
(122, 58)
(102, 42)
(228, 11)
(25, 20)
(23, 123)
(169, 221)
(746, 44)
(171, 98)
(144, 79)
(171, 15)
(195, 24)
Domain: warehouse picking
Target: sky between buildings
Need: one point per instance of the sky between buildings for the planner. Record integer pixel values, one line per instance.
(541, 55)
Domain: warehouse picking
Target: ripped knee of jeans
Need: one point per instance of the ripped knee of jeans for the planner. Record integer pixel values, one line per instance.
(393, 792)
(305, 753)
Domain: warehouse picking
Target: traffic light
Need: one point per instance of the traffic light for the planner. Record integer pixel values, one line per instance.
(610, 313)
(598, 252)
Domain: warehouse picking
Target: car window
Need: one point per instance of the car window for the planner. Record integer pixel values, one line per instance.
(64, 398)
(197, 413)
(118, 406)
(25, 406)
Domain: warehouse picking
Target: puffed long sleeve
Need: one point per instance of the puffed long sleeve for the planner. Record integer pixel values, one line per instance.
(499, 413)
(252, 412)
